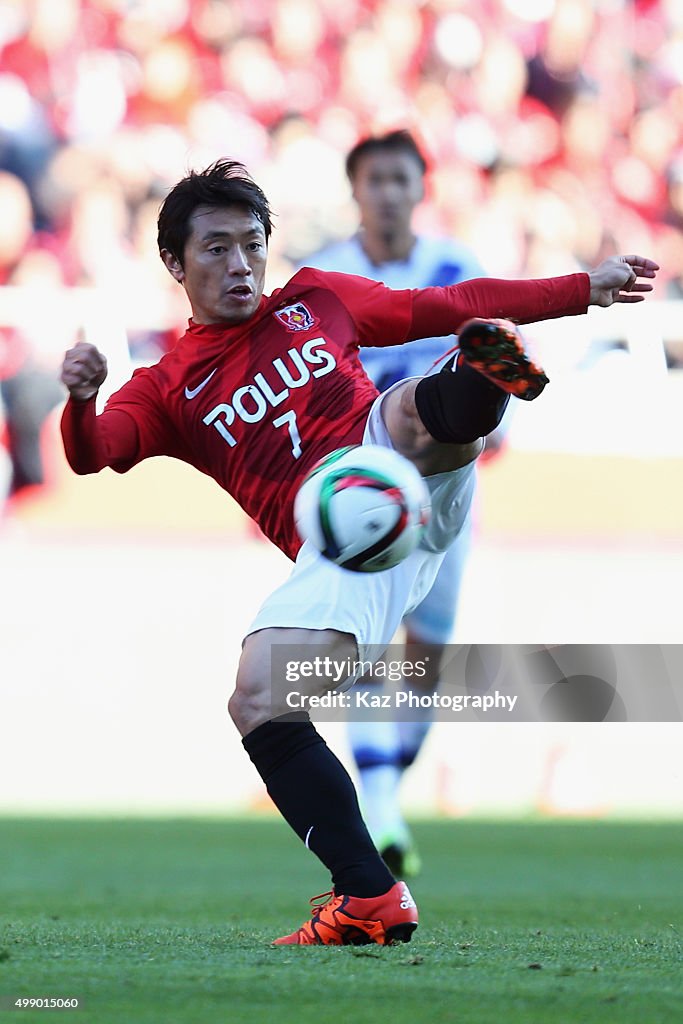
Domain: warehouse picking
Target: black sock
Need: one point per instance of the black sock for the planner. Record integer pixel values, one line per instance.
(458, 405)
(315, 794)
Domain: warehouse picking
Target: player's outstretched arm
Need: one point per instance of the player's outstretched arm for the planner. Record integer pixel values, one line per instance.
(618, 279)
(84, 371)
(441, 311)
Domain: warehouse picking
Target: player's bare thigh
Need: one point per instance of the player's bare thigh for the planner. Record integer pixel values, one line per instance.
(410, 437)
(258, 697)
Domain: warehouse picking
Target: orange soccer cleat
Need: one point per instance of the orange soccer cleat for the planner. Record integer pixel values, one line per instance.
(495, 349)
(352, 921)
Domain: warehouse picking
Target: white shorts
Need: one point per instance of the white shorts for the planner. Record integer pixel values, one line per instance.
(370, 606)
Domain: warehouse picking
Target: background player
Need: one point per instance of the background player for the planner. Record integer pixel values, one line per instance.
(387, 177)
(209, 402)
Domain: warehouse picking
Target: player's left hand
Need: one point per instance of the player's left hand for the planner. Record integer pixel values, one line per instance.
(618, 280)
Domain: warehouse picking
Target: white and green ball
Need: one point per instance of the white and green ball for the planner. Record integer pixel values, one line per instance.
(363, 507)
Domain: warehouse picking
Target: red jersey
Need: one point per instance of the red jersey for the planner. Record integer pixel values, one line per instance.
(255, 405)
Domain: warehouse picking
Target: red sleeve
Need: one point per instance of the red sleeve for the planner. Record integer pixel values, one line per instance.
(384, 316)
(441, 311)
(132, 427)
(92, 442)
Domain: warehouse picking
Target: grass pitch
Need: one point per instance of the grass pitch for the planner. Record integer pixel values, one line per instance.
(170, 921)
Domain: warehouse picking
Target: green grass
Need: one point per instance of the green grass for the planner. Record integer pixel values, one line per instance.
(170, 921)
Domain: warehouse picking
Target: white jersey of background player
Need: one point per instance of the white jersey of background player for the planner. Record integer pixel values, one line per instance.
(387, 178)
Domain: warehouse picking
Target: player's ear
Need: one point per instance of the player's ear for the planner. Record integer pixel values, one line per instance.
(173, 265)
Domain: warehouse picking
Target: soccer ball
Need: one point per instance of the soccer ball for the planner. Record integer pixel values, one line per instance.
(364, 507)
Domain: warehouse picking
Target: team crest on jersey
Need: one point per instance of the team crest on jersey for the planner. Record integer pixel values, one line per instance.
(296, 317)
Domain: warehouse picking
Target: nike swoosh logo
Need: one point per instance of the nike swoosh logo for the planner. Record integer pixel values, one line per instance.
(195, 391)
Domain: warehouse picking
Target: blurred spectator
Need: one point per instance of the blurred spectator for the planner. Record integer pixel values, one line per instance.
(27, 391)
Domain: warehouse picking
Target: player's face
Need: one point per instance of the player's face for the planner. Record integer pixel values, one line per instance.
(387, 187)
(224, 264)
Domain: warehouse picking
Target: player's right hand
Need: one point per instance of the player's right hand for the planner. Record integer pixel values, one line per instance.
(618, 279)
(84, 370)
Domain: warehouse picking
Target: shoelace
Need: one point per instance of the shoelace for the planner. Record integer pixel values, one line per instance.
(456, 348)
(326, 898)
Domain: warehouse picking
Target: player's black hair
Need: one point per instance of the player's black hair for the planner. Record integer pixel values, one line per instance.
(400, 141)
(224, 183)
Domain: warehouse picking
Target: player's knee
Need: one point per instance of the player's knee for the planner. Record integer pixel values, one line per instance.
(249, 705)
(235, 706)
(405, 427)
(259, 697)
(411, 438)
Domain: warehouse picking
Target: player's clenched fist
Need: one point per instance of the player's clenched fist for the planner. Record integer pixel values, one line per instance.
(84, 370)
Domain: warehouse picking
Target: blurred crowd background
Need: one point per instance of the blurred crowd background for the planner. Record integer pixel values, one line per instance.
(554, 131)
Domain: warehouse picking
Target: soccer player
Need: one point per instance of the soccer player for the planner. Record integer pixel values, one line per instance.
(387, 177)
(256, 391)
